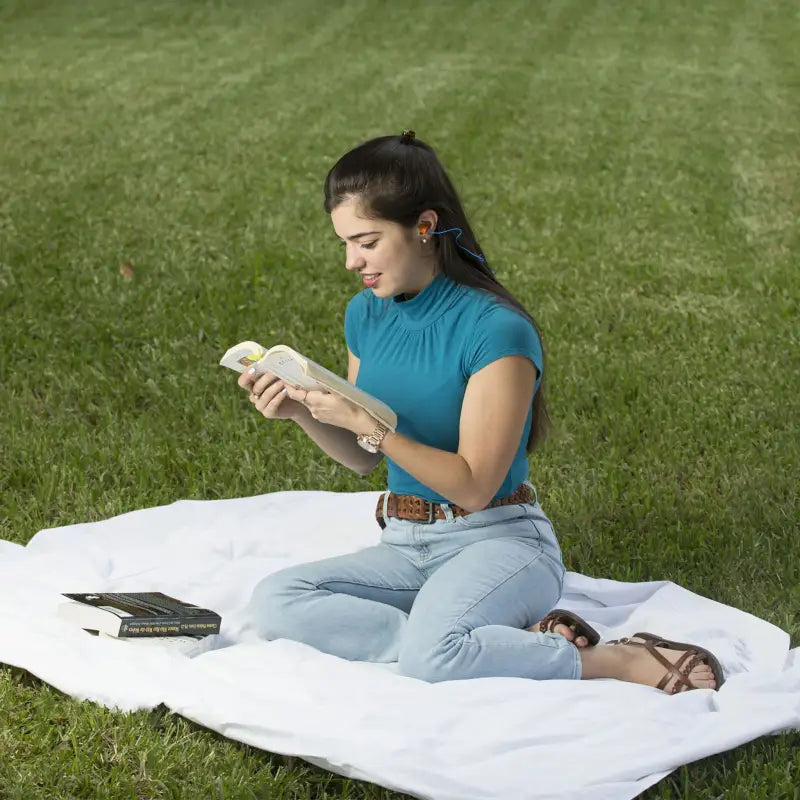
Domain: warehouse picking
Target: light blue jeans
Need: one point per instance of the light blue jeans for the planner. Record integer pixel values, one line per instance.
(446, 600)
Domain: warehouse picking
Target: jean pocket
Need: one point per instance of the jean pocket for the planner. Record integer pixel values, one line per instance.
(494, 516)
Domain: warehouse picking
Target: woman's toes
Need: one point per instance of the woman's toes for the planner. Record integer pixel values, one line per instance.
(565, 631)
(569, 634)
(703, 676)
(643, 668)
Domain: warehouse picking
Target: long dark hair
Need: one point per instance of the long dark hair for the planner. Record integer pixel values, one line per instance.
(396, 178)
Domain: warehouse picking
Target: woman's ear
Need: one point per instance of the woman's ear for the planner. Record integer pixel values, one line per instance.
(427, 222)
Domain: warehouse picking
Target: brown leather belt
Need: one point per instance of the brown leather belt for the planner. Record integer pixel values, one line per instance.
(409, 506)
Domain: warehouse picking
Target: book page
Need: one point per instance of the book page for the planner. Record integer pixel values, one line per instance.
(287, 369)
(242, 356)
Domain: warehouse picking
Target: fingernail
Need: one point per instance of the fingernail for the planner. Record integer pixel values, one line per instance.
(284, 390)
(251, 371)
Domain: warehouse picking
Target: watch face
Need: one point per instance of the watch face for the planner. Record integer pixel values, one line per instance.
(364, 441)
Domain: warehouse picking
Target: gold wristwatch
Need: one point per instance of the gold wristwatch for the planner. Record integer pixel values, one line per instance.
(372, 441)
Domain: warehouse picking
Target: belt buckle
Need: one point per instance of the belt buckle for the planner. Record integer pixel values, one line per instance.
(430, 519)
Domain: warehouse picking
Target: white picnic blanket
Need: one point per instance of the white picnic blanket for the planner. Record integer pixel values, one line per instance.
(487, 738)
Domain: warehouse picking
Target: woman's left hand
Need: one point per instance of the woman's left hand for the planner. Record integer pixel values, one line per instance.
(332, 409)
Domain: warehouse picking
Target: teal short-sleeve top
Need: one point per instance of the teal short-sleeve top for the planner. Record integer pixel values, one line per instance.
(417, 355)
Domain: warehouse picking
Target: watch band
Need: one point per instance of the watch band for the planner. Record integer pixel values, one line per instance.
(372, 442)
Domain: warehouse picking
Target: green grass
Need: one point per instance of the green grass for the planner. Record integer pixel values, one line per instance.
(631, 169)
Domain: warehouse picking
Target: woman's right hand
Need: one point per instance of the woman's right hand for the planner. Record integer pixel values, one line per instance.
(267, 395)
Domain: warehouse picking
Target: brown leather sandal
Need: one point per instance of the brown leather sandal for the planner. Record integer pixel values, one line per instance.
(560, 616)
(682, 668)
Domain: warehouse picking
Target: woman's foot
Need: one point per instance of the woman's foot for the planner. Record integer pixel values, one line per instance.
(565, 631)
(637, 663)
(569, 625)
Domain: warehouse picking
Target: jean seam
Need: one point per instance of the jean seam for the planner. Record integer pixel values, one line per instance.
(533, 521)
(560, 561)
(535, 528)
(321, 585)
(495, 588)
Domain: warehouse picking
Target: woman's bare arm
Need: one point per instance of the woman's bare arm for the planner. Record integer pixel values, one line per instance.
(496, 404)
(339, 443)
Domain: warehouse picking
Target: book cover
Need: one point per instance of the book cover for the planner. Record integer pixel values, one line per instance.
(133, 614)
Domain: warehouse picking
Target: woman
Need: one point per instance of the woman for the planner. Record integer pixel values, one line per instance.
(467, 560)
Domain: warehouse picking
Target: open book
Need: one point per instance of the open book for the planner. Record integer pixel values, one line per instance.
(302, 372)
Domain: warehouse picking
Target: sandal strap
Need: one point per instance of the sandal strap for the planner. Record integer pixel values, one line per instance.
(681, 676)
(694, 661)
(674, 670)
(548, 624)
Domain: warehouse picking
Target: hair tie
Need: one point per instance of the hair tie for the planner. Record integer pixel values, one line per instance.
(407, 137)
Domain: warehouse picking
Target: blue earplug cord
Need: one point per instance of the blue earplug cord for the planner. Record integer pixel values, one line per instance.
(450, 230)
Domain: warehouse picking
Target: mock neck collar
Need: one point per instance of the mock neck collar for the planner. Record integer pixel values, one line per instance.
(426, 307)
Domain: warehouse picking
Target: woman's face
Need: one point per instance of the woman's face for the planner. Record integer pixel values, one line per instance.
(376, 247)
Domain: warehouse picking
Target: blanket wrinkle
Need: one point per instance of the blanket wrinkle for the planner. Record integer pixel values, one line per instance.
(455, 740)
